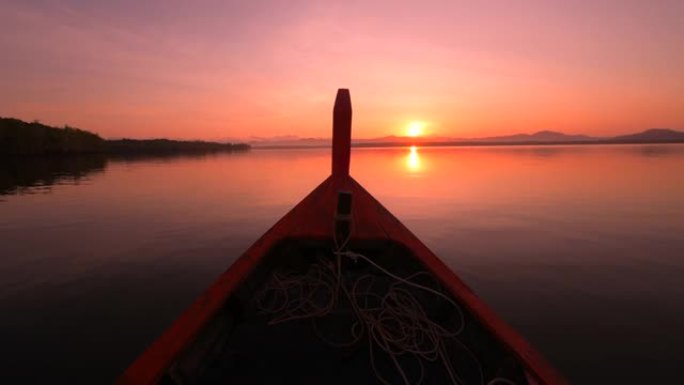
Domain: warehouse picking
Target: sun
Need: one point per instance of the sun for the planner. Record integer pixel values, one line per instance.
(415, 129)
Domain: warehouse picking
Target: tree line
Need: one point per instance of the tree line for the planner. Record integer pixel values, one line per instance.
(22, 138)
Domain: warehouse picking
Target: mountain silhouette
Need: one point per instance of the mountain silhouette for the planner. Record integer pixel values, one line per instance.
(653, 135)
(541, 137)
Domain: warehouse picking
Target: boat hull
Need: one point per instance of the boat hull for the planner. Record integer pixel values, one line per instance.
(312, 222)
(224, 334)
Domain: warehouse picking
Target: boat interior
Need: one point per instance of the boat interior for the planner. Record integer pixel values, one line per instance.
(315, 311)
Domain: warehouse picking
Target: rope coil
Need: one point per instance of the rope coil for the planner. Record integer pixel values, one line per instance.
(388, 311)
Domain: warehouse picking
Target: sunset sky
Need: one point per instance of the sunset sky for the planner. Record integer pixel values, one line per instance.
(238, 69)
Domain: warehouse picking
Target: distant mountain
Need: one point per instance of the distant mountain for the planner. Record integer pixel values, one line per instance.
(297, 142)
(404, 139)
(653, 135)
(540, 137)
(290, 141)
(537, 137)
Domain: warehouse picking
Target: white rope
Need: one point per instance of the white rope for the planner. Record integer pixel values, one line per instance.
(394, 321)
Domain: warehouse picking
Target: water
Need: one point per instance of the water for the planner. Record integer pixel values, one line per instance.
(580, 248)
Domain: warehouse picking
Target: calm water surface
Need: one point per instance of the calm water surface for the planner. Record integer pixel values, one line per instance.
(580, 248)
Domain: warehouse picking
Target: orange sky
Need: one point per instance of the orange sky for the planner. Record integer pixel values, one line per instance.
(237, 69)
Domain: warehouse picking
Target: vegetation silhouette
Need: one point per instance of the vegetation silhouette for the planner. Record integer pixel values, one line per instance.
(35, 156)
(166, 146)
(22, 138)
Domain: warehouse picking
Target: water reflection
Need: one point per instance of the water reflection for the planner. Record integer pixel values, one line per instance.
(596, 226)
(38, 174)
(413, 161)
(27, 175)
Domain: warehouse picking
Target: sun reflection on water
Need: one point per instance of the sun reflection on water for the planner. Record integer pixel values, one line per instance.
(413, 163)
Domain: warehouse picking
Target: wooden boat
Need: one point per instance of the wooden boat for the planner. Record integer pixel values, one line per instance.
(339, 291)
